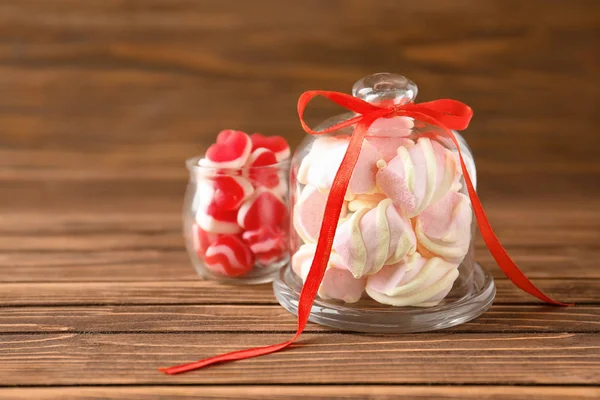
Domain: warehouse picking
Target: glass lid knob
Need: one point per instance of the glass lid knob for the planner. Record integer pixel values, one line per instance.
(384, 87)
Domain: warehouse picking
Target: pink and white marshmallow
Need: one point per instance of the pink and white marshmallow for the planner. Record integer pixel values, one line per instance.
(338, 283)
(320, 166)
(396, 126)
(365, 201)
(372, 238)
(415, 281)
(444, 228)
(309, 211)
(419, 176)
(388, 134)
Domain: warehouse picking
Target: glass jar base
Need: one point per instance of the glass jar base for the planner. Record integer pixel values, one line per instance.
(367, 315)
(259, 274)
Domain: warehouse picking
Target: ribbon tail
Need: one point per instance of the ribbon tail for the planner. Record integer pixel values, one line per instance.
(503, 259)
(335, 201)
(233, 356)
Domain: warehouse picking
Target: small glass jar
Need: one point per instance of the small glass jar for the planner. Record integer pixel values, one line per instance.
(236, 221)
(403, 253)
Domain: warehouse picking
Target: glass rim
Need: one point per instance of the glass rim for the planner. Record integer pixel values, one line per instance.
(192, 165)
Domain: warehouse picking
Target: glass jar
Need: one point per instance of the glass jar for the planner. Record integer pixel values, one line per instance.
(236, 221)
(403, 253)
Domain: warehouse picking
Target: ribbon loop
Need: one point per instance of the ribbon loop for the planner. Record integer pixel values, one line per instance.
(448, 115)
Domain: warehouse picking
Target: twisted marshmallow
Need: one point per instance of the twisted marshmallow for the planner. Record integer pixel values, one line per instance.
(372, 238)
(415, 281)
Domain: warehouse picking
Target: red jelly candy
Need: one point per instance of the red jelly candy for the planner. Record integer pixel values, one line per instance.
(231, 150)
(228, 255)
(216, 220)
(270, 257)
(268, 177)
(202, 239)
(268, 243)
(263, 208)
(276, 144)
(225, 192)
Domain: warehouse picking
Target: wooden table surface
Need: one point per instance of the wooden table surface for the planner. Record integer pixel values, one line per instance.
(102, 101)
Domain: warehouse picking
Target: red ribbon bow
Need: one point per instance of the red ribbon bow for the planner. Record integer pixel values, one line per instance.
(446, 114)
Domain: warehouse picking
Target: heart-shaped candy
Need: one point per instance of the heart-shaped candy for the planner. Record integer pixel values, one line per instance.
(231, 150)
(224, 192)
(216, 220)
(263, 208)
(228, 255)
(268, 243)
(276, 144)
(202, 239)
(261, 170)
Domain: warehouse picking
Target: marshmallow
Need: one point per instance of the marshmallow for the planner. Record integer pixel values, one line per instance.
(444, 228)
(415, 281)
(388, 146)
(391, 127)
(337, 284)
(388, 134)
(419, 176)
(320, 166)
(365, 201)
(372, 238)
(308, 213)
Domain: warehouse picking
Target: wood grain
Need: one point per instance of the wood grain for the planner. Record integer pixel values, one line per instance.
(267, 318)
(102, 101)
(451, 358)
(205, 292)
(293, 392)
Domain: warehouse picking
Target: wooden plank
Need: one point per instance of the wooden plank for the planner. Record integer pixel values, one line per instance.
(580, 291)
(450, 358)
(141, 264)
(267, 318)
(116, 245)
(147, 264)
(294, 392)
(145, 292)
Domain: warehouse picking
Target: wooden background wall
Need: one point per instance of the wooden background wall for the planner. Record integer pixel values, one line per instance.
(127, 90)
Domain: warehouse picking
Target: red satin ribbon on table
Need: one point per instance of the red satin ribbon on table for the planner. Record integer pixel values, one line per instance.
(446, 114)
